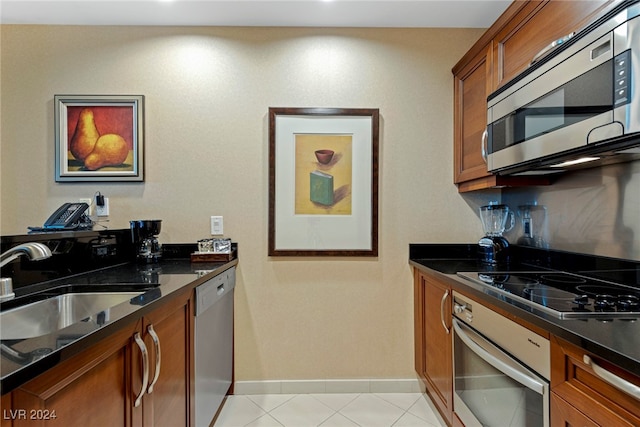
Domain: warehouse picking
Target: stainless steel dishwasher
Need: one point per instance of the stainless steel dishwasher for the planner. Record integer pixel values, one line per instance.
(213, 344)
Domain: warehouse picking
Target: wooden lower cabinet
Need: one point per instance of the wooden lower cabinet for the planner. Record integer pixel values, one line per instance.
(170, 403)
(563, 414)
(581, 398)
(100, 386)
(433, 340)
(5, 405)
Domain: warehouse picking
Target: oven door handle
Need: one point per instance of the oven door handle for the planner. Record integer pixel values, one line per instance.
(498, 359)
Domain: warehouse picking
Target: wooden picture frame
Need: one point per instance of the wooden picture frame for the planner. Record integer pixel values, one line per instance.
(99, 138)
(323, 181)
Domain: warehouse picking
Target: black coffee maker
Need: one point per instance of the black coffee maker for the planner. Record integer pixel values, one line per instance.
(493, 248)
(145, 242)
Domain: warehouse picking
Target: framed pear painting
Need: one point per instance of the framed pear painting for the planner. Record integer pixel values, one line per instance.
(99, 138)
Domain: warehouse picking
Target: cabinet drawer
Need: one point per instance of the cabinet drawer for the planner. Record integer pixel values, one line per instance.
(578, 384)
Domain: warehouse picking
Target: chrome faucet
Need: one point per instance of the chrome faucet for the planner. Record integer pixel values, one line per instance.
(33, 250)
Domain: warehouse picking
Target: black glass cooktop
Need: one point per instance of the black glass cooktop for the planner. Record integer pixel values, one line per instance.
(565, 295)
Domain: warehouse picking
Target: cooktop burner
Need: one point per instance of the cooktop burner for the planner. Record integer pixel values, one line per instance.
(565, 295)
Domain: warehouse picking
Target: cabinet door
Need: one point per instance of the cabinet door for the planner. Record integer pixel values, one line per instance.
(472, 85)
(565, 415)
(6, 406)
(437, 362)
(533, 28)
(168, 400)
(418, 323)
(93, 388)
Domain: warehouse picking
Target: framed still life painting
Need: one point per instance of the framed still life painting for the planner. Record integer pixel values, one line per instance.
(323, 182)
(99, 138)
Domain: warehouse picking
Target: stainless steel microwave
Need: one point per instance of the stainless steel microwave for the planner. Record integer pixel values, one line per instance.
(579, 103)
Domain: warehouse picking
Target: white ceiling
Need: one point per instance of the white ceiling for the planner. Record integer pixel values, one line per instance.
(283, 13)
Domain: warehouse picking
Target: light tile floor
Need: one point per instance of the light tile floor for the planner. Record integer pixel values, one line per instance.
(329, 410)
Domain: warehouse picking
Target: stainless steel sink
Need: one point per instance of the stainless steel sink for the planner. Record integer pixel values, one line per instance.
(57, 312)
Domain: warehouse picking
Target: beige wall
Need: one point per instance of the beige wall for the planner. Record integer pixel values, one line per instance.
(207, 92)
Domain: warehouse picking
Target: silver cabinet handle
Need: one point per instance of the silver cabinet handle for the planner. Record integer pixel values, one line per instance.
(619, 383)
(442, 301)
(145, 368)
(483, 148)
(156, 342)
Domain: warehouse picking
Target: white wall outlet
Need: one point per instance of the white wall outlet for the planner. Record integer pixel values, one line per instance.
(89, 202)
(104, 209)
(216, 226)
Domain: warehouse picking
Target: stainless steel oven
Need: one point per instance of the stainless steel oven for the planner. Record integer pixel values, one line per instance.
(501, 369)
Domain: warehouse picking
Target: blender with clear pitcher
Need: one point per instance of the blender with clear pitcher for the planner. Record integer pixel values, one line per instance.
(493, 248)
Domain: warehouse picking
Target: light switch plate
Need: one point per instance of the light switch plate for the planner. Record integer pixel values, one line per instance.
(216, 226)
(89, 202)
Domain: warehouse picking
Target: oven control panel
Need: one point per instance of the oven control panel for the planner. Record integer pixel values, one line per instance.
(532, 349)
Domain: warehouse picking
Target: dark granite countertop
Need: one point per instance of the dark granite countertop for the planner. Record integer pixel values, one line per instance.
(614, 340)
(164, 278)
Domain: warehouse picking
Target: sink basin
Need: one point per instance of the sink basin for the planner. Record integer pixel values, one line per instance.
(57, 312)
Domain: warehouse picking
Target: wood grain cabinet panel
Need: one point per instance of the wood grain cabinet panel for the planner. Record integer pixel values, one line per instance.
(6, 405)
(535, 26)
(565, 415)
(92, 388)
(169, 402)
(100, 386)
(434, 354)
(472, 85)
(580, 395)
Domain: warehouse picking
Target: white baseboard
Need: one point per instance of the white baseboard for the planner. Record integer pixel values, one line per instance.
(407, 385)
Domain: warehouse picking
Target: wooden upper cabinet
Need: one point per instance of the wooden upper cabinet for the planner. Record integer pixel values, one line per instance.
(503, 51)
(472, 86)
(534, 27)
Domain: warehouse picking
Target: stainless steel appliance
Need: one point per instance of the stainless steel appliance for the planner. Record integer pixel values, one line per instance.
(144, 234)
(213, 344)
(562, 294)
(580, 102)
(493, 248)
(501, 369)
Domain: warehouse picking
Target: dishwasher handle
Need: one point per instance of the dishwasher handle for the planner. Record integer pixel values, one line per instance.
(213, 290)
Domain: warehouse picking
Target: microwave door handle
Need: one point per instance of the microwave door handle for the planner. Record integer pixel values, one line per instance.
(483, 145)
(496, 358)
(550, 47)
